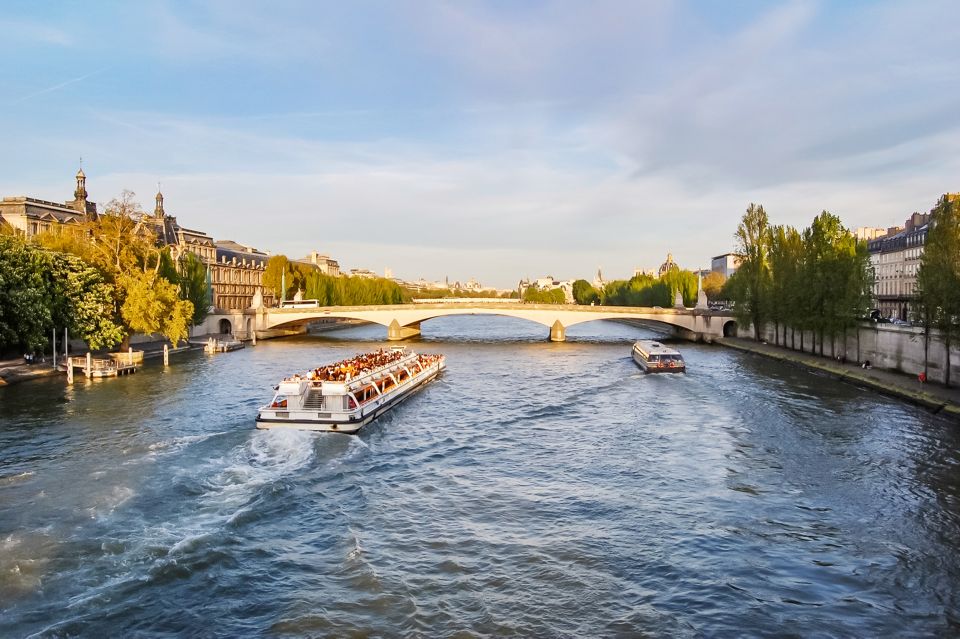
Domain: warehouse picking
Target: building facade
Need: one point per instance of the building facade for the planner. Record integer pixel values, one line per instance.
(726, 264)
(895, 260)
(237, 276)
(322, 263)
(31, 216)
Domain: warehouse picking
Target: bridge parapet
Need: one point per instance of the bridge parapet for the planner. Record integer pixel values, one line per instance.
(403, 320)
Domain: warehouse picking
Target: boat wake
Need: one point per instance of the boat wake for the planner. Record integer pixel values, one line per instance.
(224, 490)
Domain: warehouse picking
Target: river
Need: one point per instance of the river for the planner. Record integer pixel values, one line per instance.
(536, 489)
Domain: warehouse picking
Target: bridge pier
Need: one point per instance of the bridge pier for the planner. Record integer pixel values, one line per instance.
(557, 332)
(395, 332)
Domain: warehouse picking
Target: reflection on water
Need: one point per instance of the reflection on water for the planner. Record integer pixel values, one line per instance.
(535, 489)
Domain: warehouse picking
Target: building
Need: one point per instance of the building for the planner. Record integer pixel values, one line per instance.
(364, 273)
(667, 265)
(181, 240)
(237, 276)
(31, 216)
(235, 271)
(323, 263)
(895, 259)
(726, 264)
(644, 272)
(867, 233)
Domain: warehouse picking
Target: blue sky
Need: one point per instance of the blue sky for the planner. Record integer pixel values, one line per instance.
(493, 140)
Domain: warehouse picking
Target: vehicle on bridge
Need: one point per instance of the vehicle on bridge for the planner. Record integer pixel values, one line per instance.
(654, 357)
(345, 396)
(299, 304)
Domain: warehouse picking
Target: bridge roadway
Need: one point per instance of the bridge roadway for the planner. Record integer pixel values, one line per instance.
(403, 320)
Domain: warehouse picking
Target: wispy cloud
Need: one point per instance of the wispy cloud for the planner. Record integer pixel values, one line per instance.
(56, 87)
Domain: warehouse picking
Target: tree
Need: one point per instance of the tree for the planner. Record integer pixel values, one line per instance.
(585, 293)
(193, 286)
(41, 290)
(938, 280)
(713, 285)
(153, 305)
(535, 295)
(753, 237)
(122, 249)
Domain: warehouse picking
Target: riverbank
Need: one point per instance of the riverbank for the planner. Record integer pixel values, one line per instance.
(936, 397)
(16, 370)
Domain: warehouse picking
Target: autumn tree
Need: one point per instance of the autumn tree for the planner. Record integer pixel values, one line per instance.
(713, 285)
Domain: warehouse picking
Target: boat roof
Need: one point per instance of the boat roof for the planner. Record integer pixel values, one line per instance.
(653, 347)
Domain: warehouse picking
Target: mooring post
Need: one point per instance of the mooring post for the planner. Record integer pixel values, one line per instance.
(254, 331)
(89, 369)
(69, 372)
(130, 355)
(54, 349)
(66, 345)
(166, 355)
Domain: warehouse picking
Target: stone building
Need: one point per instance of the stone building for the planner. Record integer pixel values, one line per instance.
(895, 259)
(322, 263)
(237, 276)
(180, 239)
(31, 216)
(235, 271)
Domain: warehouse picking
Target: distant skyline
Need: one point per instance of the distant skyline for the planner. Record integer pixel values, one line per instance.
(491, 140)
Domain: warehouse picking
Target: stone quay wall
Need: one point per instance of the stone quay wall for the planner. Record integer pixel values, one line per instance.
(889, 346)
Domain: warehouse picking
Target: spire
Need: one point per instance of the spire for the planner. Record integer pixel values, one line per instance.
(158, 211)
(81, 192)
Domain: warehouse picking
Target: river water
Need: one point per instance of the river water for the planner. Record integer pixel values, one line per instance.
(536, 489)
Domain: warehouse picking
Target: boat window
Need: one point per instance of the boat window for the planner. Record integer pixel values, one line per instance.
(654, 358)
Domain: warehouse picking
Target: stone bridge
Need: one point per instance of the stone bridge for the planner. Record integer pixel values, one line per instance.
(403, 320)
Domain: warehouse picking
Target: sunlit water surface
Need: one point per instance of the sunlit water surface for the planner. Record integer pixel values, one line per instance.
(535, 489)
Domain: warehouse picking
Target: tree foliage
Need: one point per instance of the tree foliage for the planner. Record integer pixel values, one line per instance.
(646, 290)
(713, 285)
(534, 295)
(124, 251)
(817, 280)
(938, 280)
(192, 278)
(43, 290)
(585, 293)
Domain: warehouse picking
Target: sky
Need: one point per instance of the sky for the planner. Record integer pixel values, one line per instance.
(493, 140)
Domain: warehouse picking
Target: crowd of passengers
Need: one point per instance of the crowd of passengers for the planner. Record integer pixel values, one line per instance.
(359, 365)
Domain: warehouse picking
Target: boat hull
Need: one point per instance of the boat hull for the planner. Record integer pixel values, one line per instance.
(355, 422)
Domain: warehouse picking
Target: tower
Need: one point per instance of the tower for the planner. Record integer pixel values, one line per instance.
(80, 203)
(158, 211)
(80, 194)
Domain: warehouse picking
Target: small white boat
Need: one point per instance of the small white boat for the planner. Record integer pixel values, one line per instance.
(345, 396)
(654, 357)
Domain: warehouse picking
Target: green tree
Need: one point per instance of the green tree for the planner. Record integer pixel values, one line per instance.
(753, 274)
(536, 296)
(938, 280)
(585, 293)
(193, 286)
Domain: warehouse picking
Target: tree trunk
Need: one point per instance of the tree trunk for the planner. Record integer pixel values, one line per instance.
(946, 375)
(793, 338)
(926, 350)
(776, 332)
(801, 339)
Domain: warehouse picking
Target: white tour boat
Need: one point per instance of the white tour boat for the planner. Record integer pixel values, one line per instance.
(654, 357)
(345, 396)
